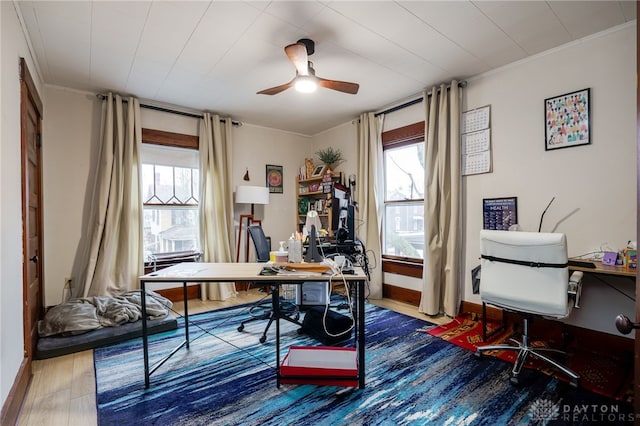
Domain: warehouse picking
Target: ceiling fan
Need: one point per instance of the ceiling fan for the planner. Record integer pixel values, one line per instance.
(306, 79)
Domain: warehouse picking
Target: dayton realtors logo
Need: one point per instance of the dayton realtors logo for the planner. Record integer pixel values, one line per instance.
(545, 411)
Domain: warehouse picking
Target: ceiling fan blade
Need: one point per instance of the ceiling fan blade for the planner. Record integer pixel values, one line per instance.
(277, 89)
(340, 86)
(297, 54)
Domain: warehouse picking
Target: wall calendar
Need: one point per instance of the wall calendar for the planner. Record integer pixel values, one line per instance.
(476, 141)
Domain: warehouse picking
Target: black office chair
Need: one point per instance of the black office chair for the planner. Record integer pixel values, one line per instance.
(263, 310)
(260, 243)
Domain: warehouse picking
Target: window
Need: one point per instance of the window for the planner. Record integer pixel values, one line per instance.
(404, 174)
(170, 195)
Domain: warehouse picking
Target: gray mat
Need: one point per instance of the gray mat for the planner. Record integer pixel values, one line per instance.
(49, 347)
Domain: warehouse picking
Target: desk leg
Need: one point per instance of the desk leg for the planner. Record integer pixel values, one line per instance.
(145, 343)
(186, 313)
(145, 338)
(361, 339)
(275, 302)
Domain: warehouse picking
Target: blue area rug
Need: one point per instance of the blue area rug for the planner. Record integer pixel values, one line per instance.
(412, 378)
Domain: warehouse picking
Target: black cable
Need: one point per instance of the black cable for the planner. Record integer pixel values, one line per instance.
(613, 287)
(545, 210)
(223, 321)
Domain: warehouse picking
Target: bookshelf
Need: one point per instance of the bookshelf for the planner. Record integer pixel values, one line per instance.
(315, 194)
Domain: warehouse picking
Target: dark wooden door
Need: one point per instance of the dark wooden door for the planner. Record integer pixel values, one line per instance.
(31, 118)
(636, 392)
(30, 125)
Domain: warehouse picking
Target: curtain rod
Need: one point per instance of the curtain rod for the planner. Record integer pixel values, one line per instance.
(172, 111)
(414, 101)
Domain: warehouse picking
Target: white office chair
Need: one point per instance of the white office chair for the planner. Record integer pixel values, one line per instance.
(527, 272)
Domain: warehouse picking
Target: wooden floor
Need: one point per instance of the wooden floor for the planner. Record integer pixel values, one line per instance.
(63, 389)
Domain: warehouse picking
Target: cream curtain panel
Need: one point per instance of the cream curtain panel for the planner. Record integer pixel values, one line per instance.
(216, 203)
(440, 282)
(115, 253)
(369, 188)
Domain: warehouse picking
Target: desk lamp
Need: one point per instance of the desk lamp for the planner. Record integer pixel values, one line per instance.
(249, 195)
(311, 227)
(312, 219)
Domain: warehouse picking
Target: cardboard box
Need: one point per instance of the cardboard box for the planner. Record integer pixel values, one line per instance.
(320, 365)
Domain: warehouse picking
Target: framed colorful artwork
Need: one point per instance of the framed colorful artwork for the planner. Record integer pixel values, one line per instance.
(567, 120)
(275, 179)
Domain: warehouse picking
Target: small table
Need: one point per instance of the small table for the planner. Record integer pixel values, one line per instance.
(231, 272)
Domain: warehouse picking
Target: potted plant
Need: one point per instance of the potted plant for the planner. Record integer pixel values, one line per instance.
(330, 157)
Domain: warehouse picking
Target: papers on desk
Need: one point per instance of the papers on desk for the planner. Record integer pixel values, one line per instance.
(302, 268)
(187, 272)
(282, 270)
(324, 268)
(300, 273)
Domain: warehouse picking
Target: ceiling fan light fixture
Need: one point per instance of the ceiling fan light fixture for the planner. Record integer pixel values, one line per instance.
(305, 80)
(306, 84)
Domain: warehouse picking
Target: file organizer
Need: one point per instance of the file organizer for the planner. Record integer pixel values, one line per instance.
(320, 365)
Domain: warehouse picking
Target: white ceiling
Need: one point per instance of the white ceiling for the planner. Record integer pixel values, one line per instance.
(216, 55)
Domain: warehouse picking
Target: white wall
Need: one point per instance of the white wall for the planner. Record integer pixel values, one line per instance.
(341, 137)
(12, 47)
(71, 131)
(594, 185)
(253, 148)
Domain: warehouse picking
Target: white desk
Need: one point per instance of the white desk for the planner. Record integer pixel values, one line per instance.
(230, 272)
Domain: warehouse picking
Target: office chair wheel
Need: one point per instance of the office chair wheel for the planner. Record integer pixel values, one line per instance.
(241, 327)
(515, 380)
(478, 354)
(263, 339)
(573, 383)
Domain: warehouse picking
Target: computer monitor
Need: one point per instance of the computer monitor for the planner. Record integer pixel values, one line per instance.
(342, 214)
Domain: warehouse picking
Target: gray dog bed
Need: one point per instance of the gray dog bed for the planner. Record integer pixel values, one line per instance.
(85, 323)
(49, 347)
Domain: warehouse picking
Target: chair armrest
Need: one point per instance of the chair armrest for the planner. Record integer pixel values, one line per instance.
(575, 287)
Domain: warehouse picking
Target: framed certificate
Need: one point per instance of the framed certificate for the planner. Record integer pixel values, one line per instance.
(499, 213)
(274, 179)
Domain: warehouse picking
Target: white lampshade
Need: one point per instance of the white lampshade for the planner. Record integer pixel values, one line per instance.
(252, 195)
(312, 219)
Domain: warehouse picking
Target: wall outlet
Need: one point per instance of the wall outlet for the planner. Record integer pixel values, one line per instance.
(68, 282)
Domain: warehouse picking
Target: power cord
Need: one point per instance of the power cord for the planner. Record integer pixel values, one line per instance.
(349, 303)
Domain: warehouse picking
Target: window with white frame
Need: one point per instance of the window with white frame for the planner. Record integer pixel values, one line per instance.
(170, 194)
(404, 174)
